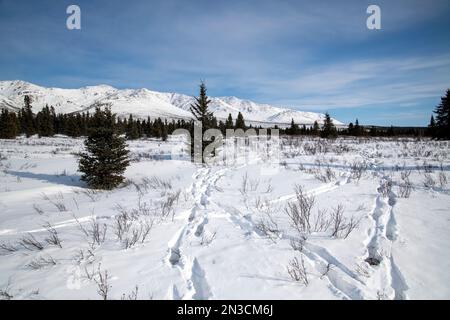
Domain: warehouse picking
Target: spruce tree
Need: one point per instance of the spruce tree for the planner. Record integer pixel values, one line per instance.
(106, 156)
(328, 130)
(132, 132)
(27, 118)
(240, 123)
(351, 129)
(358, 129)
(315, 129)
(200, 111)
(72, 126)
(442, 112)
(431, 130)
(229, 122)
(293, 129)
(390, 131)
(200, 108)
(164, 132)
(44, 122)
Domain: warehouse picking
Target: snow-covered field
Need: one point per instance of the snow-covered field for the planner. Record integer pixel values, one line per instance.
(177, 230)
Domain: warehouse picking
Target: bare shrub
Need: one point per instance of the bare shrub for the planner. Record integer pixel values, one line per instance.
(122, 225)
(29, 242)
(158, 183)
(7, 247)
(81, 256)
(154, 183)
(385, 188)
(80, 226)
(297, 244)
(97, 232)
(297, 270)
(244, 184)
(338, 217)
(352, 224)
(405, 189)
(92, 194)
(322, 222)
(361, 269)
(41, 262)
(268, 227)
(442, 179)
(90, 274)
(137, 234)
(5, 293)
(57, 202)
(143, 208)
(300, 211)
(429, 182)
(404, 175)
(329, 173)
(167, 206)
(341, 226)
(358, 169)
(207, 239)
(102, 283)
(131, 296)
(38, 209)
(254, 183)
(326, 175)
(325, 272)
(53, 237)
(361, 207)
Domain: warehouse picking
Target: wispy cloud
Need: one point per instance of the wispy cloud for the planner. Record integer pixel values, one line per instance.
(301, 54)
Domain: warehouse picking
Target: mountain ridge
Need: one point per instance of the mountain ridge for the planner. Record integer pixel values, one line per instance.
(143, 102)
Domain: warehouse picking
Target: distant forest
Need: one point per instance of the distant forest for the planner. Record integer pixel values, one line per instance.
(47, 123)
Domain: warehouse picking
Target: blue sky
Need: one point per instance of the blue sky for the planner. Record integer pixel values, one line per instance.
(307, 55)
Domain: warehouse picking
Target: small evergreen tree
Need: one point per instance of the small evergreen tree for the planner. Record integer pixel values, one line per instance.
(44, 122)
(358, 131)
(431, 130)
(229, 122)
(328, 130)
(72, 126)
(293, 129)
(240, 123)
(27, 118)
(351, 129)
(164, 132)
(315, 128)
(132, 132)
(200, 108)
(106, 156)
(442, 112)
(200, 111)
(390, 131)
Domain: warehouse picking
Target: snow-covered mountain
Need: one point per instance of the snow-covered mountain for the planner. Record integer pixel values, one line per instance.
(143, 102)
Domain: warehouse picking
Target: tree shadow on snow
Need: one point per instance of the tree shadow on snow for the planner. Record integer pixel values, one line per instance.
(68, 180)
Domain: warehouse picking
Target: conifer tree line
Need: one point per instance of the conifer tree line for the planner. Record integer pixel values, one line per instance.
(47, 123)
(329, 130)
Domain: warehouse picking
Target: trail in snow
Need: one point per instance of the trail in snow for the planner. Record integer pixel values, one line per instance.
(180, 255)
(383, 233)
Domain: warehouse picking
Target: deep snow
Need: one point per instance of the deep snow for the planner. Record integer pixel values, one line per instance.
(206, 240)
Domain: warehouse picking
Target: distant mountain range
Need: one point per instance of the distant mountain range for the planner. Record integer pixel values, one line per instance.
(142, 103)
